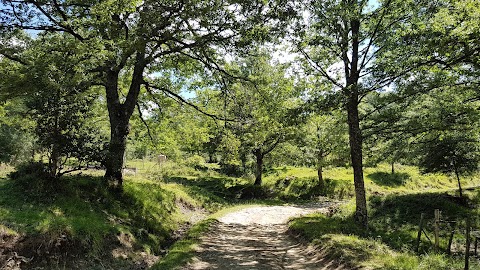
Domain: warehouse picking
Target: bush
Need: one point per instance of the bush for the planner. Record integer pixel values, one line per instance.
(33, 178)
(197, 162)
(30, 169)
(231, 169)
(253, 192)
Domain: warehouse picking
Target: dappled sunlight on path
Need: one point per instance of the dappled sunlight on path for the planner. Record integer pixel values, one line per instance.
(257, 238)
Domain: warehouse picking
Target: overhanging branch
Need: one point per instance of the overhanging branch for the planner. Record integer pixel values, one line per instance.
(180, 99)
(140, 115)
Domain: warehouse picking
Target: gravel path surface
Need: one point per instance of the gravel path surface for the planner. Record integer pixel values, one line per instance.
(256, 238)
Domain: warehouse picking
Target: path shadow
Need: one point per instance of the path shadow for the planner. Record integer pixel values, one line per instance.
(238, 247)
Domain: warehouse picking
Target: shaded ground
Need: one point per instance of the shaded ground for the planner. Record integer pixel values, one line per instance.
(257, 238)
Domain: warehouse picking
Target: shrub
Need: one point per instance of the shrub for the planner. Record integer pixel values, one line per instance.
(30, 169)
(194, 161)
(197, 162)
(253, 192)
(33, 178)
(231, 169)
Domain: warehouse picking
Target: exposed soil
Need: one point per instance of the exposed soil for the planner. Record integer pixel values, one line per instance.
(62, 252)
(257, 238)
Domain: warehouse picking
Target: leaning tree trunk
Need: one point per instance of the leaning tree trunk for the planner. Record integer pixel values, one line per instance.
(458, 179)
(258, 172)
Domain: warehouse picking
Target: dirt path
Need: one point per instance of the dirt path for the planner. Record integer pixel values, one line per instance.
(256, 238)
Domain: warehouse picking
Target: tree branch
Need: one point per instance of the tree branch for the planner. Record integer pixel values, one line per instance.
(140, 115)
(14, 58)
(319, 68)
(180, 99)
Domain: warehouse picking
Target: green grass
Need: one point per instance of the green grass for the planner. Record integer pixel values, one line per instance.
(395, 207)
(396, 202)
(302, 183)
(391, 239)
(92, 218)
(183, 251)
(83, 211)
(341, 240)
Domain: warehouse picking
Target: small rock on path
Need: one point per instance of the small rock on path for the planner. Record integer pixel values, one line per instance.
(257, 238)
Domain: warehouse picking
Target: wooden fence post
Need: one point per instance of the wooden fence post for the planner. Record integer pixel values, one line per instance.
(467, 248)
(437, 221)
(419, 235)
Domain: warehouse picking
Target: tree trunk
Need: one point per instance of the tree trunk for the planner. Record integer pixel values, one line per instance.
(54, 158)
(53, 162)
(351, 91)
(116, 150)
(118, 132)
(355, 139)
(458, 179)
(393, 167)
(321, 182)
(258, 173)
(119, 115)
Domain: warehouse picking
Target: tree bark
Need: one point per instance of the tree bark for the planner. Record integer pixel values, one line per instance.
(119, 115)
(118, 132)
(54, 158)
(351, 91)
(116, 150)
(258, 172)
(355, 139)
(53, 162)
(458, 180)
(321, 182)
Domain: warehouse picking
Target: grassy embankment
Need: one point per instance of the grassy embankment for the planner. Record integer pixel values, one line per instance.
(396, 202)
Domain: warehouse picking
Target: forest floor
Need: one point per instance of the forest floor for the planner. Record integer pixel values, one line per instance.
(258, 238)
